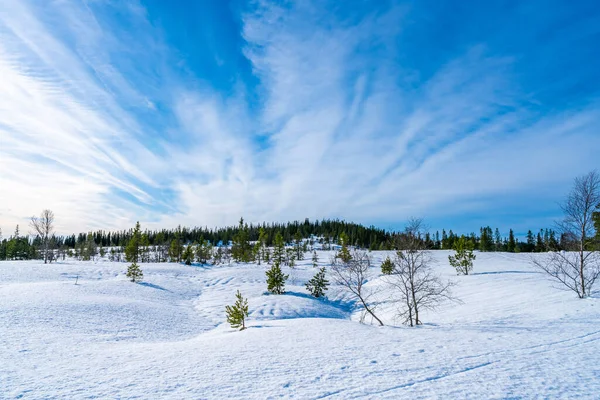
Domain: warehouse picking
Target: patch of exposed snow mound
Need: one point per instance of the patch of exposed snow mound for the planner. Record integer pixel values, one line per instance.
(294, 305)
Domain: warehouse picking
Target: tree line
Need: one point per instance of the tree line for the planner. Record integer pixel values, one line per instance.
(86, 246)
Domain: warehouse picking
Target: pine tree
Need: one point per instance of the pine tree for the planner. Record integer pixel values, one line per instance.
(241, 251)
(387, 266)
(134, 273)
(278, 249)
(512, 246)
(176, 247)
(445, 244)
(132, 250)
(318, 285)
(188, 255)
(486, 241)
(203, 251)
(89, 248)
(530, 242)
(539, 244)
(276, 279)
(462, 260)
(236, 314)
(344, 254)
(175, 250)
(298, 246)
(315, 259)
(498, 240)
(145, 248)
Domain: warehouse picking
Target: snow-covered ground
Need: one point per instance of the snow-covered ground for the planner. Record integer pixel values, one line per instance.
(514, 336)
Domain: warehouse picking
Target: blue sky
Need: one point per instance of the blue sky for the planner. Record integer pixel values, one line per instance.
(198, 112)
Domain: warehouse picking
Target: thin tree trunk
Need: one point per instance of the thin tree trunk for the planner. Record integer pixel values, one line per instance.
(370, 312)
(581, 263)
(414, 299)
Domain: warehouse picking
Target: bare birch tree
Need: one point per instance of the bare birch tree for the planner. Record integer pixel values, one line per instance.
(352, 274)
(43, 226)
(578, 267)
(417, 286)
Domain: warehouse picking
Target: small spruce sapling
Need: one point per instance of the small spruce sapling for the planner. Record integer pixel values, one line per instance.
(237, 313)
(134, 273)
(387, 266)
(276, 279)
(315, 259)
(462, 260)
(318, 285)
(344, 254)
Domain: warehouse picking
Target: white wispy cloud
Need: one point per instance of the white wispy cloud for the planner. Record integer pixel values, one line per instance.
(343, 129)
(66, 141)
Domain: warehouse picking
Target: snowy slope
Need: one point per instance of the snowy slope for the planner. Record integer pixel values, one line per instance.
(513, 336)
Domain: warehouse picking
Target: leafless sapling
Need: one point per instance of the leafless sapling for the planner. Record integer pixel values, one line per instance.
(352, 275)
(418, 287)
(578, 266)
(43, 226)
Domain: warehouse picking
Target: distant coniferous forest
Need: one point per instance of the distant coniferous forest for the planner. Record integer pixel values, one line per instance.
(19, 246)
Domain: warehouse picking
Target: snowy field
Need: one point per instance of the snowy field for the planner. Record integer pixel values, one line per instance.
(514, 336)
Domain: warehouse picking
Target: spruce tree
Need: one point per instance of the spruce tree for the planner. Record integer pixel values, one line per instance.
(134, 273)
(498, 240)
(89, 249)
(318, 285)
(486, 241)
(276, 279)
(315, 259)
(203, 251)
(175, 250)
(387, 266)
(512, 246)
(145, 248)
(176, 247)
(344, 254)
(462, 260)
(539, 244)
(445, 240)
(530, 242)
(132, 250)
(278, 255)
(236, 314)
(241, 251)
(262, 246)
(298, 246)
(188, 255)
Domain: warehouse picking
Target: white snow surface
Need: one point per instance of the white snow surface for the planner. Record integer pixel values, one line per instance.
(515, 335)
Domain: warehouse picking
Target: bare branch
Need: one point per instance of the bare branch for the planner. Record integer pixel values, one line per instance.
(578, 269)
(417, 287)
(43, 226)
(352, 275)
